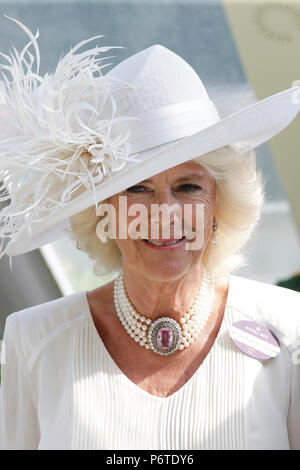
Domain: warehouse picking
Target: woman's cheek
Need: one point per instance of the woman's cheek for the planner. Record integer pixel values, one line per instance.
(203, 215)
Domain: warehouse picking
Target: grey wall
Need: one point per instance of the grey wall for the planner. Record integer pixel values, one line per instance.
(197, 32)
(29, 283)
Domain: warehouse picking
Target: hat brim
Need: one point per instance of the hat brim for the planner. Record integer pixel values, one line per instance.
(256, 124)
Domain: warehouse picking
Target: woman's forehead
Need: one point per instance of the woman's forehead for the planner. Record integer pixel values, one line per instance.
(187, 166)
(190, 169)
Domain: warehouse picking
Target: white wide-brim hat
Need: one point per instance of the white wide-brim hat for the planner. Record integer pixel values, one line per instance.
(79, 131)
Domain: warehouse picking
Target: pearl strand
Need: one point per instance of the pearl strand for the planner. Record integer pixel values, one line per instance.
(192, 323)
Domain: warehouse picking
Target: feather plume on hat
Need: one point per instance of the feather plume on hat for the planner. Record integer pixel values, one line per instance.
(54, 140)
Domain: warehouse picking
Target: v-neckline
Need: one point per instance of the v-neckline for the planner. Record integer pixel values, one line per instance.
(99, 341)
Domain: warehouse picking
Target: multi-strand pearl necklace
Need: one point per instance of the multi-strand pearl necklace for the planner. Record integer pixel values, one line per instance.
(165, 335)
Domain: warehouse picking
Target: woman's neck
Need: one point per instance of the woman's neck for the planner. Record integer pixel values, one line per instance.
(156, 298)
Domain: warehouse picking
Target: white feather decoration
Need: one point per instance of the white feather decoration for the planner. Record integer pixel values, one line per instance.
(54, 141)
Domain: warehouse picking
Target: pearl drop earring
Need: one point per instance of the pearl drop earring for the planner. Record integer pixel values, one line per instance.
(215, 240)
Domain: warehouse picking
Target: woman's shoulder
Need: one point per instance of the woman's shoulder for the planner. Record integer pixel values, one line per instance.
(39, 324)
(275, 306)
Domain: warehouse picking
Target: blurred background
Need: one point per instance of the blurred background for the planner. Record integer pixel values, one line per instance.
(243, 51)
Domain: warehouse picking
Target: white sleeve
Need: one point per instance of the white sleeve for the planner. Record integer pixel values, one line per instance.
(294, 408)
(19, 426)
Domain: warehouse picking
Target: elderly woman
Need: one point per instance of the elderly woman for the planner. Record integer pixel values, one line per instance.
(176, 352)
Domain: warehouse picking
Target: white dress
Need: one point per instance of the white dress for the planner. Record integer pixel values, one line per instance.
(60, 388)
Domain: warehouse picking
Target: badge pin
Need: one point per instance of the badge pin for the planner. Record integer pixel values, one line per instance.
(255, 340)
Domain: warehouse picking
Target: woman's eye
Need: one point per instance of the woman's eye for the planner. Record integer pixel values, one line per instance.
(189, 187)
(184, 187)
(136, 189)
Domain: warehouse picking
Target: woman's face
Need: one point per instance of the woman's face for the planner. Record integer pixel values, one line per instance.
(186, 185)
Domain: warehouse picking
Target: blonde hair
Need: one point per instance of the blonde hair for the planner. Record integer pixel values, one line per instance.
(239, 198)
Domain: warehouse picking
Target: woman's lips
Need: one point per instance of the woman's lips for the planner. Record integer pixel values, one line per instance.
(173, 246)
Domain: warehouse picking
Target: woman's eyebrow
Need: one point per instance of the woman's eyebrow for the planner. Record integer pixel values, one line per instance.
(192, 176)
(182, 178)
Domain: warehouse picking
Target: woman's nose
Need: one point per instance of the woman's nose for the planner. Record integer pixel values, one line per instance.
(165, 212)
(164, 196)
(167, 201)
